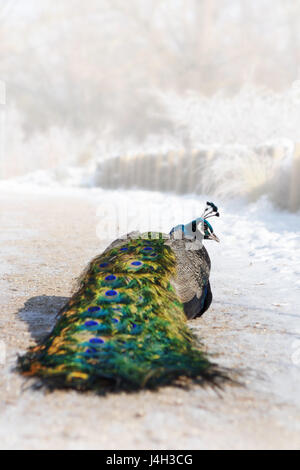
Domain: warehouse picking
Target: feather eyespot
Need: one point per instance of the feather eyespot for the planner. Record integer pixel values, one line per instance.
(136, 263)
(103, 265)
(111, 277)
(111, 293)
(90, 351)
(94, 309)
(96, 341)
(91, 323)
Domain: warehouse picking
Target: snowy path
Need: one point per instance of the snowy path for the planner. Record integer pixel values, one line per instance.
(253, 325)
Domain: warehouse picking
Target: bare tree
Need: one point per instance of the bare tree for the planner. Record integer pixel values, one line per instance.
(91, 64)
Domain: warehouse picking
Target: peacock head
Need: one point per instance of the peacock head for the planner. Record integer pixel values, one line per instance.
(199, 228)
(209, 232)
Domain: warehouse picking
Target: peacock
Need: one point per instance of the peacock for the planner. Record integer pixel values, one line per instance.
(125, 327)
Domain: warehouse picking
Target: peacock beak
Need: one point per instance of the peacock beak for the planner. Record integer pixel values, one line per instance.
(214, 237)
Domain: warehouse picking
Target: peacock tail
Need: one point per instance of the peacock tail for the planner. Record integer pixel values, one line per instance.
(125, 327)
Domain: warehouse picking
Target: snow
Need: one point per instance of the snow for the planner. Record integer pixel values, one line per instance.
(253, 325)
(261, 248)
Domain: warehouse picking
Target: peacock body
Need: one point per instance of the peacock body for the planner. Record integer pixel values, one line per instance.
(126, 325)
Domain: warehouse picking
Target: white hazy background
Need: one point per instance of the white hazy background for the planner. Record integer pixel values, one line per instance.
(201, 93)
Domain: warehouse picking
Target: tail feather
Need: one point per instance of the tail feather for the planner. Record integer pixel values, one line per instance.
(124, 327)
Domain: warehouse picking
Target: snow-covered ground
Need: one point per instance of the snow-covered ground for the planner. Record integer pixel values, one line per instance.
(253, 325)
(209, 121)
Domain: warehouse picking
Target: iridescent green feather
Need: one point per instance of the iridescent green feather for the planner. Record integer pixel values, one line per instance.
(124, 327)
